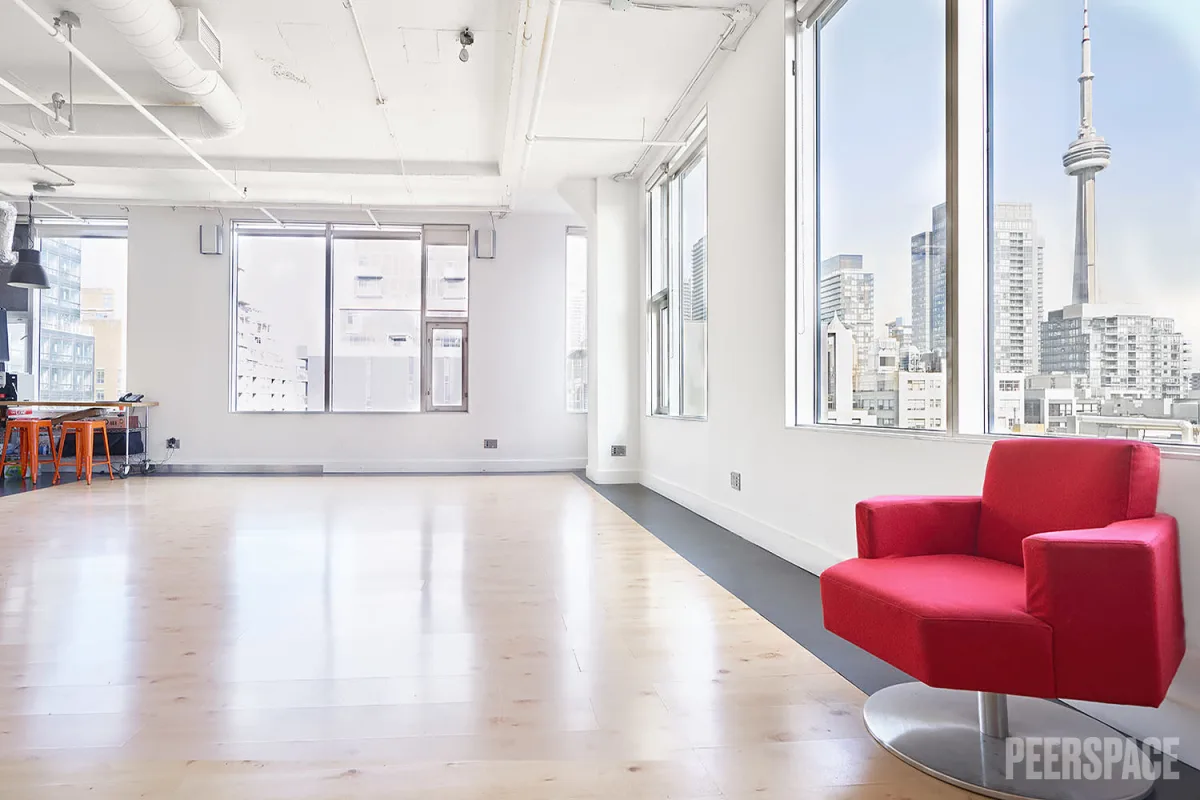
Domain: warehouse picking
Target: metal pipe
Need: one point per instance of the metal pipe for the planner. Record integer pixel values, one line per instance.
(539, 85)
(380, 100)
(347, 207)
(71, 79)
(708, 60)
(374, 221)
(64, 212)
(607, 140)
(271, 217)
(657, 6)
(993, 715)
(124, 95)
(37, 160)
(49, 112)
(362, 41)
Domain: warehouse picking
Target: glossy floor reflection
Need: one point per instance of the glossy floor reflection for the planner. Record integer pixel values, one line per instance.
(397, 637)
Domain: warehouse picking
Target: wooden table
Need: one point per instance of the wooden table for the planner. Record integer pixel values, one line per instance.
(143, 427)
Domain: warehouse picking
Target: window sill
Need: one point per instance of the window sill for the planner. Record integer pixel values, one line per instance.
(333, 413)
(1174, 452)
(679, 417)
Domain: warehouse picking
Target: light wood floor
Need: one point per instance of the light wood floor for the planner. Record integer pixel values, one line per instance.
(509, 638)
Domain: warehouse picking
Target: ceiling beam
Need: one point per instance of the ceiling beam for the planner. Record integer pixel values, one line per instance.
(301, 166)
(524, 42)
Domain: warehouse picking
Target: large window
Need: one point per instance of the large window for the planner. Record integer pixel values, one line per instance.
(677, 228)
(1094, 303)
(69, 341)
(1013, 243)
(388, 305)
(881, 215)
(577, 320)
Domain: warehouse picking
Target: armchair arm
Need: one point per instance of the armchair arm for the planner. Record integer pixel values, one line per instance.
(895, 527)
(1113, 598)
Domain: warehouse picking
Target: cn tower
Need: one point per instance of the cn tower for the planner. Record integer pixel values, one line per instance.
(1086, 156)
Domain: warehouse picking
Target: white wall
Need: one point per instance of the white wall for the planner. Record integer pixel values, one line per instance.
(179, 355)
(799, 486)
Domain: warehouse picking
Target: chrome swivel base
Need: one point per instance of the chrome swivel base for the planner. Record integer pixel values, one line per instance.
(946, 734)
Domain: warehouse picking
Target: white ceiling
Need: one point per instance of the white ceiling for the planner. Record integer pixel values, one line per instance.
(314, 132)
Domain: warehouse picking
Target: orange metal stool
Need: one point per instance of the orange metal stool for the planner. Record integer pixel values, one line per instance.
(85, 437)
(30, 431)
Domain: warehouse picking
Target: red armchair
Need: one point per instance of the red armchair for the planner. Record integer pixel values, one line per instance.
(1060, 581)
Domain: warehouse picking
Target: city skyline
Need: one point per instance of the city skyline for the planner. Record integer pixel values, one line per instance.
(1143, 223)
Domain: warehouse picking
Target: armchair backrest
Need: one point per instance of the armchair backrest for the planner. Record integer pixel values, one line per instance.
(1043, 485)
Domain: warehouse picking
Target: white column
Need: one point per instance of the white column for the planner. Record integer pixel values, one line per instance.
(615, 303)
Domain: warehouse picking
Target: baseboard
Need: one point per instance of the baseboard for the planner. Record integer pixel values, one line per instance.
(465, 466)
(425, 466)
(239, 469)
(1178, 716)
(612, 476)
(787, 546)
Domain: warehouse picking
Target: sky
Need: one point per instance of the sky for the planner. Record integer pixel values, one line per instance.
(882, 126)
(104, 265)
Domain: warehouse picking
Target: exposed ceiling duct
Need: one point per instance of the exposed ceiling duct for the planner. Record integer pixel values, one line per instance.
(8, 227)
(153, 28)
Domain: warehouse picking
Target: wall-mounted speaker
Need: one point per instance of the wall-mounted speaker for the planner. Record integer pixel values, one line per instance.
(212, 240)
(485, 243)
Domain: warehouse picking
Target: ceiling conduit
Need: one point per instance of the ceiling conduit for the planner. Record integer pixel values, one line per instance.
(152, 27)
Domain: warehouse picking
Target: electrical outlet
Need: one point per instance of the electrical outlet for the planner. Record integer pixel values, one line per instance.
(735, 481)
(618, 451)
(172, 443)
(491, 444)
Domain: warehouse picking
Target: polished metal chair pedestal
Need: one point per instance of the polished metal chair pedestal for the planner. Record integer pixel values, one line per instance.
(962, 738)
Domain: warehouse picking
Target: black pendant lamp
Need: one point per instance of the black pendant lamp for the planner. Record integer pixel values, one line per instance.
(29, 273)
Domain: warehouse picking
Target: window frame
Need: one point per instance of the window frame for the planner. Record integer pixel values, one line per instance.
(967, 370)
(576, 231)
(61, 228)
(331, 232)
(666, 380)
(442, 324)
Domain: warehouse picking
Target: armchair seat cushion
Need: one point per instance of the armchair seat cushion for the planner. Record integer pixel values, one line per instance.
(950, 621)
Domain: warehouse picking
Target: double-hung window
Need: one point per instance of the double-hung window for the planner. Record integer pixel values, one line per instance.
(677, 304)
(350, 318)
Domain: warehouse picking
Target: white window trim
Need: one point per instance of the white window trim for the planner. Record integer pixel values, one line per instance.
(969, 399)
(672, 168)
(431, 234)
(967, 193)
(576, 230)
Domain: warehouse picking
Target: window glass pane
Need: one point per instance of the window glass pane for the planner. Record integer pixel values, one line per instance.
(882, 217)
(280, 323)
(1095, 300)
(675, 289)
(694, 292)
(446, 287)
(18, 346)
(577, 322)
(657, 220)
(377, 325)
(82, 316)
(446, 379)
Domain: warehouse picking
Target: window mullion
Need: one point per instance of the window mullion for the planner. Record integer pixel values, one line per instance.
(329, 323)
(968, 237)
